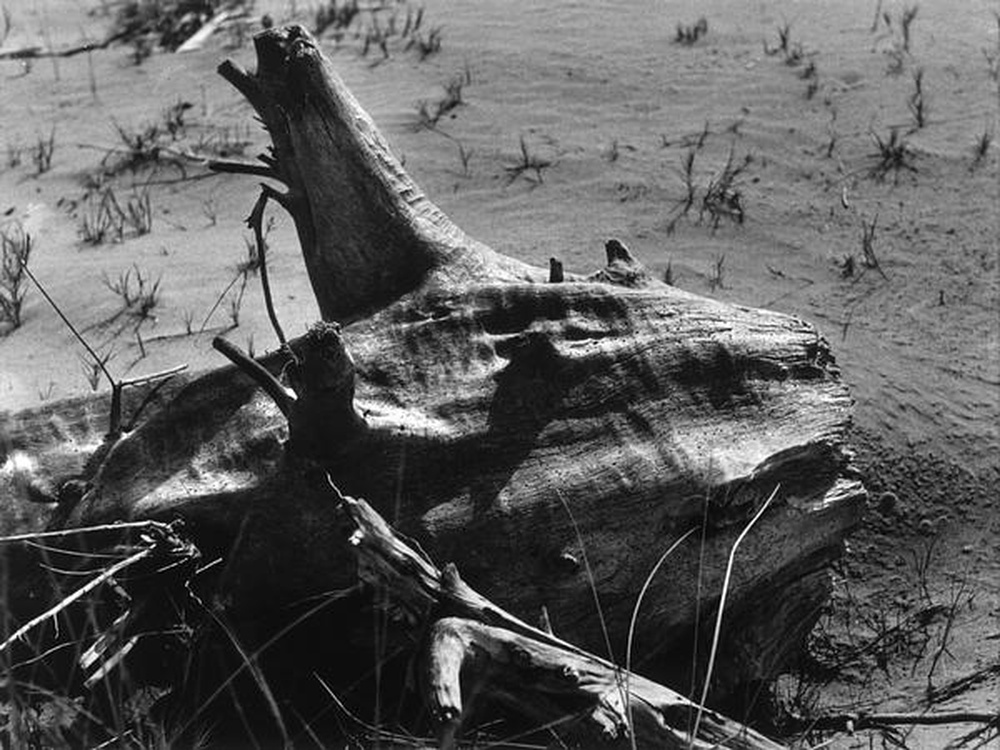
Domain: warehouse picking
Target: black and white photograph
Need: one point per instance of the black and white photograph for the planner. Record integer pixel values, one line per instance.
(475, 374)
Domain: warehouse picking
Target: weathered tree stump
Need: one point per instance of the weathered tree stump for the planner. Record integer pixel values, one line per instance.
(551, 440)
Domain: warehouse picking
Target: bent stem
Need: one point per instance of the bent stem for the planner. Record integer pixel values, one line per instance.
(635, 617)
(283, 397)
(722, 606)
(255, 221)
(72, 328)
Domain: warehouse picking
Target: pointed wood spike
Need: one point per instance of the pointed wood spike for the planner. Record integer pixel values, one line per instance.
(616, 251)
(623, 269)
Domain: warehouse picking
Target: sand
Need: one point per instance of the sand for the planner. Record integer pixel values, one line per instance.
(602, 91)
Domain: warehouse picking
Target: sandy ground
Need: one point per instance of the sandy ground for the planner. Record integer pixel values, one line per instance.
(602, 90)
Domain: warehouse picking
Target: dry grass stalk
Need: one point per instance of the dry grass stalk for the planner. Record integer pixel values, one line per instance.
(15, 252)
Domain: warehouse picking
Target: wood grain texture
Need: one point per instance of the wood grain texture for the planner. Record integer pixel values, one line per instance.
(546, 437)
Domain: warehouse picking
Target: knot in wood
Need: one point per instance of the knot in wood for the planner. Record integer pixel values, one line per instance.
(520, 657)
(571, 675)
(568, 563)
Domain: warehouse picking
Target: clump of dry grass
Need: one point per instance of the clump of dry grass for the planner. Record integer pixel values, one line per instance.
(335, 16)
(41, 154)
(687, 174)
(139, 296)
(429, 114)
(899, 52)
(15, 251)
(529, 162)
(147, 146)
(868, 255)
(64, 658)
(222, 141)
(426, 45)
(381, 27)
(689, 35)
(810, 74)
(723, 196)
(981, 147)
(791, 52)
(138, 293)
(94, 368)
(465, 157)
(104, 219)
(784, 41)
(894, 154)
(917, 101)
(869, 258)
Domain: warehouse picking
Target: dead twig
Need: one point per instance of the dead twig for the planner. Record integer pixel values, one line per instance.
(78, 594)
(256, 223)
(32, 53)
(870, 259)
(862, 721)
(283, 397)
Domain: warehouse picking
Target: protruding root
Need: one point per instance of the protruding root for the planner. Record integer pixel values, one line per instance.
(480, 654)
(282, 396)
(256, 223)
(573, 693)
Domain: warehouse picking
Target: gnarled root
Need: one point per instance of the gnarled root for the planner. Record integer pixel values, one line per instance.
(475, 654)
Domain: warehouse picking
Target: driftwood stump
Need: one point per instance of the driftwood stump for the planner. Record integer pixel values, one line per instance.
(550, 439)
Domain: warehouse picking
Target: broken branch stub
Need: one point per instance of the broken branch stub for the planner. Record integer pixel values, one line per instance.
(368, 233)
(548, 438)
